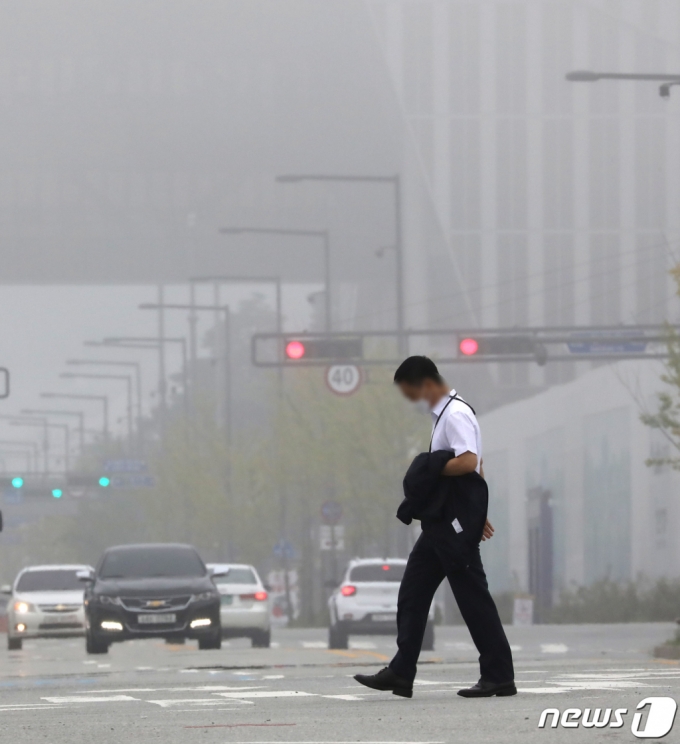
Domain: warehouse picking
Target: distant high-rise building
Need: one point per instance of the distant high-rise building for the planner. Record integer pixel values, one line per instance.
(558, 203)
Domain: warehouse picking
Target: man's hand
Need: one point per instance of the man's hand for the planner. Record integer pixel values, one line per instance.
(487, 532)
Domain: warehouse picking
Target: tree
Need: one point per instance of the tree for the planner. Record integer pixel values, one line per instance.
(667, 417)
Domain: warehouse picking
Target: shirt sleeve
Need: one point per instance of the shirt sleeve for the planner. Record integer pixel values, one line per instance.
(460, 433)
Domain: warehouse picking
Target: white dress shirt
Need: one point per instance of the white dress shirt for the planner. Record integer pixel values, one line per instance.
(457, 430)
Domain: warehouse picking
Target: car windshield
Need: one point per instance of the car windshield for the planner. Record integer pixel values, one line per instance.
(378, 572)
(141, 563)
(49, 580)
(237, 576)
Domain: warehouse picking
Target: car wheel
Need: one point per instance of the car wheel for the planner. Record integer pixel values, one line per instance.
(95, 645)
(337, 638)
(210, 644)
(428, 638)
(261, 638)
(13, 644)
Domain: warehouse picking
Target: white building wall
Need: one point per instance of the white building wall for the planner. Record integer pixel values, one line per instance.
(559, 440)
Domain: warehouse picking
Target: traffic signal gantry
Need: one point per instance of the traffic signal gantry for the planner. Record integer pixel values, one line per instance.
(539, 345)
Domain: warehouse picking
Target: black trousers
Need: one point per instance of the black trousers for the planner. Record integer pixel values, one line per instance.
(432, 559)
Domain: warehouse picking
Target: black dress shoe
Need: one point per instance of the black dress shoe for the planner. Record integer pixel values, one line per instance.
(386, 681)
(489, 689)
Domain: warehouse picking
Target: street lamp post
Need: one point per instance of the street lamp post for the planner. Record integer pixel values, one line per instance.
(136, 366)
(49, 412)
(587, 76)
(46, 436)
(103, 399)
(46, 425)
(30, 449)
(144, 342)
(126, 378)
(227, 345)
(395, 182)
(323, 234)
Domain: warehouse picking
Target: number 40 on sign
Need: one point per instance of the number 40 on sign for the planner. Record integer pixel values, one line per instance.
(343, 379)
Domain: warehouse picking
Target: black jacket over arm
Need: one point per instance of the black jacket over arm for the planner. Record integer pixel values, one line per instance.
(435, 498)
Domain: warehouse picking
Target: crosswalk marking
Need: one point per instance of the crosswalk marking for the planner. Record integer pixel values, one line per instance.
(554, 648)
(267, 694)
(90, 699)
(198, 702)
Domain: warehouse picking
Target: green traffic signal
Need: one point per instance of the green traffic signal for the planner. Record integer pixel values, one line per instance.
(17, 482)
(57, 493)
(104, 481)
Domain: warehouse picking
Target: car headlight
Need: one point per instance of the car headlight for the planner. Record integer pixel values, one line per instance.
(21, 608)
(205, 595)
(106, 600)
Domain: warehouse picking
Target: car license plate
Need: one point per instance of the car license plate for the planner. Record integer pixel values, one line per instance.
(164, 619)
(385, 617)
(227, 599)
(65, 619)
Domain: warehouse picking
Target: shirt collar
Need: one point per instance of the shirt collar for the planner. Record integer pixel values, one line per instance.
(436, 411)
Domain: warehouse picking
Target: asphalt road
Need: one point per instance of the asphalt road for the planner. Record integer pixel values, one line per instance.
(300, 692)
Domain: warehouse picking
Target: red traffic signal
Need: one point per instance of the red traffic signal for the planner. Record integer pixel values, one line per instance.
(468, 346)
(295, 350)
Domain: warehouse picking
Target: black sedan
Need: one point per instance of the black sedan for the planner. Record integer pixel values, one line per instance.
(147, 591)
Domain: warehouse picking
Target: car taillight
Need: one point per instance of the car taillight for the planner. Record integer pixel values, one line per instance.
(257, 596)
(348, 590)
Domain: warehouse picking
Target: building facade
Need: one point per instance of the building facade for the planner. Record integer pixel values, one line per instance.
(557, 203)
(571, 496)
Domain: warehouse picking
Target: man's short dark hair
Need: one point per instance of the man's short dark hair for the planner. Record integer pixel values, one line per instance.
(416, 369)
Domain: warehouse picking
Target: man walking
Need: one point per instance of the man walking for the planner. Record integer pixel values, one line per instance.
(446, 490)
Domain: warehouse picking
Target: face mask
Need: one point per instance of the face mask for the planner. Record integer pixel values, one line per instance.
(422, 406)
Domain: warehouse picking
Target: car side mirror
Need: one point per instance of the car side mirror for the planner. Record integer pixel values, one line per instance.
(5, 589)
(86, 576)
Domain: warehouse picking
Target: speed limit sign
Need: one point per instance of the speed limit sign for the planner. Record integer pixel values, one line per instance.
(343, 379)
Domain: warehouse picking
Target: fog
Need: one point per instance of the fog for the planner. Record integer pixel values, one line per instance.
(462, 183)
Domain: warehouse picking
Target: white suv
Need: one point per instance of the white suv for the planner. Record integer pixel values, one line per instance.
(45, 602)
(365, 603)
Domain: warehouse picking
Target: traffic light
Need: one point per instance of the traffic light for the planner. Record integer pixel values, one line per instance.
(57, 493)
(502, 346)
(104, 481)
(338, 349)
(17, 482)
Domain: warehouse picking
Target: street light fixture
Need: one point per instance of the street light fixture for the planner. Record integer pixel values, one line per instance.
(126, 378)
(395, 182)
(136, 366)
(156, 342)
(323, 234)
(50, 412)
(588, 76)
(103, 399)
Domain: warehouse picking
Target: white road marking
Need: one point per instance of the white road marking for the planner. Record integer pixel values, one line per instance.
(460, 645)
(515, 648)
(37, 706)
(554, 648)
(199, 688)
(273, 676)
(198, 702)
(314, 644)
(90, 699)
(267, 694)
(343, 697)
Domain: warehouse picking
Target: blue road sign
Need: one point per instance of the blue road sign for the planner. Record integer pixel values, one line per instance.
(331, 512)
(583, 345)
(125, 466)
(284, 549)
